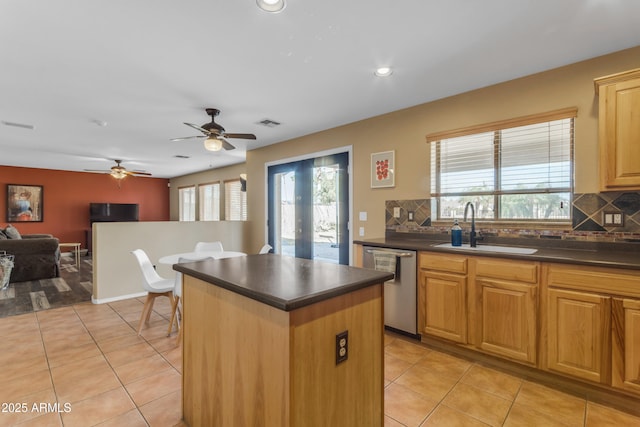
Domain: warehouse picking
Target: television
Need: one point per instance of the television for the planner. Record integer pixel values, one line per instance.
(113, 212)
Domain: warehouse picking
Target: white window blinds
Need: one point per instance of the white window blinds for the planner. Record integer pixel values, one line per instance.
(515, 170)
(187, 203)
(235, 201)
(209, 202)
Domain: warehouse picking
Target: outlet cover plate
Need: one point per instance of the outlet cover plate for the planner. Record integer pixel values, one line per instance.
(342, 347)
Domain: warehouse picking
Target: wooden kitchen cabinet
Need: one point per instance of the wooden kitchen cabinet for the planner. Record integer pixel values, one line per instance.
(578, 334)
(619, 131)
(506, 307)
(442, 296)
(626, 344)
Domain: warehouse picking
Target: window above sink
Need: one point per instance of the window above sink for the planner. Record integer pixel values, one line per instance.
(514, 170)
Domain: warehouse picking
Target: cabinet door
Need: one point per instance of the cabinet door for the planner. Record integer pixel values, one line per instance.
(507, 318)
(626, 345)
(444, 299)
(578, 326)
(619, 134)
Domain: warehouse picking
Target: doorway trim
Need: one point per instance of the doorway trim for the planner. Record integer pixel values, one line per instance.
(346, 149)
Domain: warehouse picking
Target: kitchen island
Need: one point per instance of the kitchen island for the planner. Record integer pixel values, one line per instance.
(264, 338)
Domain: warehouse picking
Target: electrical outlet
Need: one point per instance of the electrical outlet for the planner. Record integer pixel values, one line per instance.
(342, 347)
(410, 215)
(613, 219)
(396, 212)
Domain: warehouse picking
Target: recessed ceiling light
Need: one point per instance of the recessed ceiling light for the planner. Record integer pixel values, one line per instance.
(271, 6)
(383, 71)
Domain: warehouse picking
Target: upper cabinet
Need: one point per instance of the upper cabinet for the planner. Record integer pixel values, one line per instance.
(619, 130)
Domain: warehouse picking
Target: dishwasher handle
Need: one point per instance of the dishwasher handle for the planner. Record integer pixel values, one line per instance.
(398, 254)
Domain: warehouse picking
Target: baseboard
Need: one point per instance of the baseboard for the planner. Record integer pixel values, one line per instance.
(118, 298)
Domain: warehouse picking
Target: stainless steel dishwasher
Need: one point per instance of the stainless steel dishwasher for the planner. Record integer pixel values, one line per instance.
(400, 300)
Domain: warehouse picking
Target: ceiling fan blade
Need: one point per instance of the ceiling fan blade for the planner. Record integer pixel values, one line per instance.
(187, 137)
(240, 135)
(196, 127)
(137, 173)
(226, 145)
(95, 170)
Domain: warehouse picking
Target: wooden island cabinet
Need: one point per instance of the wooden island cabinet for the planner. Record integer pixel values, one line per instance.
(262, 339)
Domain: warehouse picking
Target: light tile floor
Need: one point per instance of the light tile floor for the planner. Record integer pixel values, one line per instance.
(89, 361)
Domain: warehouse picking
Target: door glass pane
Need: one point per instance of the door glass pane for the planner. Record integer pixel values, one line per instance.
(325, 213)
(285, 213)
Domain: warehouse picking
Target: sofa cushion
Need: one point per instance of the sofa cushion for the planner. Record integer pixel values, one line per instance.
(12, 232)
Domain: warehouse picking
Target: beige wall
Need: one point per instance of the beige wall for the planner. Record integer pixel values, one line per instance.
(404, 131)
(116, 274)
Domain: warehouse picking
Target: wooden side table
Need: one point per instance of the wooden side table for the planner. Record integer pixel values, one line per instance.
(76, 250)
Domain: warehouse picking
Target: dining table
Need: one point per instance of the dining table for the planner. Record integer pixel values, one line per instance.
(195, 256)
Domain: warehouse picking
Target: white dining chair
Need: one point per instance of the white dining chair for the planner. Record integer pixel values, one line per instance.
(209, 247)
(265, 249)
(153, 283)
(176, 307)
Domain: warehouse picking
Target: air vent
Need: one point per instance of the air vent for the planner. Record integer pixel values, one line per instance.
(269, 123)
(18, 125)
(180, 156)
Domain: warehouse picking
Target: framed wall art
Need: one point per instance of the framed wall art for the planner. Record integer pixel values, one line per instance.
(24, 203)
(383, 173)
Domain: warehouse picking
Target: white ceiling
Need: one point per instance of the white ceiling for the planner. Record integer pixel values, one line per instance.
(146, 66)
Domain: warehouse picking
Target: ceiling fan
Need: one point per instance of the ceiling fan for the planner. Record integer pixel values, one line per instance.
(215, 134)
(119, 172)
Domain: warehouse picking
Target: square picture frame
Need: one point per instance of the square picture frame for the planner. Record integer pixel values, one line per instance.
(383, 169)
(25, 203)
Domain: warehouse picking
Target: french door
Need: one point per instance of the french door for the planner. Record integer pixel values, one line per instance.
(308, 208)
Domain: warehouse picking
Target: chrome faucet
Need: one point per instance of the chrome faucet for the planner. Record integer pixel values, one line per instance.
(472, 233)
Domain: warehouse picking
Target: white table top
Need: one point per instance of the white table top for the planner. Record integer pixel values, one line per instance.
(195, 256)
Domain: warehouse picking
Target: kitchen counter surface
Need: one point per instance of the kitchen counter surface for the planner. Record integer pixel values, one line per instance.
(616, 255)
(282, 282)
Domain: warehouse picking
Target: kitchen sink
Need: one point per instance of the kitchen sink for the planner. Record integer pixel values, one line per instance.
(490, 248)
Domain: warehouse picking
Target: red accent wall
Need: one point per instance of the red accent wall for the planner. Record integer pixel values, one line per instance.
(66, 198)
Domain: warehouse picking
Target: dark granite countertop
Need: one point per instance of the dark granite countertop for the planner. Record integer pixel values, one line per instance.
(282, 282)
(615, 255)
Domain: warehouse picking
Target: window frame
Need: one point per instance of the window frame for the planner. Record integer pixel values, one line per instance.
(228, 200)
(496, 128)
(181, 202)
(201, 204)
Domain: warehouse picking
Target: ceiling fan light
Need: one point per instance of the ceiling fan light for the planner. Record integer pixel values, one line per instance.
(213, 144)
(118, 174)
(271, 6)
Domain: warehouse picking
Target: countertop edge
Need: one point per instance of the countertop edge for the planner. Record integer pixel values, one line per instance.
(608, 259)
(280, 303)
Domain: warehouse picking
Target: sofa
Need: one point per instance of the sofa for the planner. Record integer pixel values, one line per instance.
(36, 256)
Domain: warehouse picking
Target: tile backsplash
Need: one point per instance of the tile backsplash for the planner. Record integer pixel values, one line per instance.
(588, 219)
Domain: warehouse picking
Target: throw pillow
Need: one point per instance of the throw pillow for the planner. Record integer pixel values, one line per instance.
(2, 235)
(12, 232)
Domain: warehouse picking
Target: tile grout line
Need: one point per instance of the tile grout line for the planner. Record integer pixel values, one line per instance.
(46, 356)
(109, 363)
(112, 367)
